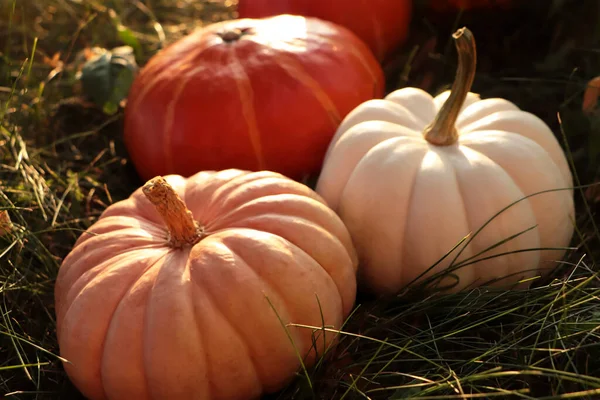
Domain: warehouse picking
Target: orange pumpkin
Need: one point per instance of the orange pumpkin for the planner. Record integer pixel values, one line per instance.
(253, 94)
(177, 292)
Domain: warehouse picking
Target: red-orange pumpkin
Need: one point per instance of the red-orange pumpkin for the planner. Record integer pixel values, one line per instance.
(382, 24)
(253, 94)
(178, 291)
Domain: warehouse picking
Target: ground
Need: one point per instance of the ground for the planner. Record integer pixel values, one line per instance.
(62, 162)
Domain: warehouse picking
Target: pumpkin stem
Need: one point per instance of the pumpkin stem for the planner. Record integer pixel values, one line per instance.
(442, 131)
(183, 230)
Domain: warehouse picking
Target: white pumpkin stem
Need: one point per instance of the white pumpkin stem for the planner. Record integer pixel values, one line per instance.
(183, 230)
(442, 131)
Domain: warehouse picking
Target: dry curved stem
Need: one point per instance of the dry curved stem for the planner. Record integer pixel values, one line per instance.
(183, 230)
(442, 131)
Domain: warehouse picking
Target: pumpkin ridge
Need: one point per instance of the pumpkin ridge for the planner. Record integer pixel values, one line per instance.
(169, 120)
(90, 234)
(297, 339)
(564, 169)
(256, 202)
(510, 117)
(68, 269)
(311, 225)
(234, 207)
(470, 245)
(170, 108)
(71, 296)
(419, 119)
(379, 152)
(481, 109)
(411, 190)
(381, 112)
(169, 117)
(143, 339)
(110, 321)
(467, 247)
(514, 136)
(533, 149)
(255, 208)
(201, 333)
(119, 253)
(227, 197)
(215, 304)
(266, 285)
(214, 181)
(223, 192)
(341, 171)
(177, 48)
(128, 208)
(417, 101)
(154, 312)
(112, 224)
(381, 146)
(154, 64)
(355, 53)
(155, 357)
(124, 264)
(472, 242)
(412, 121)
(246, 94)
(294, 69)
(490, 118)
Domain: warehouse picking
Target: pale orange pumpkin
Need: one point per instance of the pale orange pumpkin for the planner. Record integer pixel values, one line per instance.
(412, 175)
(181, 291)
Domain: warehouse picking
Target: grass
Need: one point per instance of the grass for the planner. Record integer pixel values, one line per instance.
(62, 162)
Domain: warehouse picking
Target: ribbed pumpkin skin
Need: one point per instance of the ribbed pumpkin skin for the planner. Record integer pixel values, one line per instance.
(140, 320)
(407, 202)
(270, 100)
(382, 24)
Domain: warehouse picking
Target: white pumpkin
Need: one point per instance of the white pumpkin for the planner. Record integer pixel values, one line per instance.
(411, 175)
